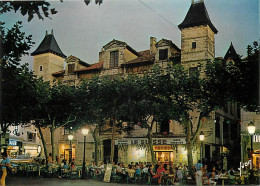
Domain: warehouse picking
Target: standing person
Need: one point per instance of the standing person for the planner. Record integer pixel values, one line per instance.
(198, 174)
(50, 158)
(4, 164)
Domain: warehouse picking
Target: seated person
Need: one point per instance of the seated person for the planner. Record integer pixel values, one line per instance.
(212, 176)
(65, 166)
(131, 172)
(231, 177)
(160, 172)
(145, 169)
(72, 165)
(137, 170)
(151, 172)
(119, 168)
(179, 174)
(102, 166)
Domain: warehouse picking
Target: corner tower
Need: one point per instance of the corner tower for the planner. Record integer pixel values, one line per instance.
(197, 36)
(47, 58)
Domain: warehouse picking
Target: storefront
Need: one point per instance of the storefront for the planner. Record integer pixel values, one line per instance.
(14, 148)
(165, 149)
(31, 149)
(64, 151)
(256, 159)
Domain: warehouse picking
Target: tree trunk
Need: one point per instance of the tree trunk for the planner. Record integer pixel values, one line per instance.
(113, 141)
(43, 143)
(189, 142)
(150, 144)
(113, 135)
(97, 143)
(52, 141)
(3, 128)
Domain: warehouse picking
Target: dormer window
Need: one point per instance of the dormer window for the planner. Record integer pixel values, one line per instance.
(40, 68)
(71, 68)
(194, 45)
(163, 54)
(113, 59)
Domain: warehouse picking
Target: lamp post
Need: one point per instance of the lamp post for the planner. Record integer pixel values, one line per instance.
(70, 137)
(251, 131)
(84, 132)
(202, 137)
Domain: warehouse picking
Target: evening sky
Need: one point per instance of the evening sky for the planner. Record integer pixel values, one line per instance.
(82, 30)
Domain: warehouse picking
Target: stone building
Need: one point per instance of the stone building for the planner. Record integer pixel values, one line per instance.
(117, 57)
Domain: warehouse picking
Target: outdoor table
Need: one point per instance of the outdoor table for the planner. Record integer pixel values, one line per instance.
(223, 178)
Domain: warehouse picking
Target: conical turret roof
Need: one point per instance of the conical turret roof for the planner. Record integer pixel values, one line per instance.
(231, 53)
(49, 45)
(196, 16)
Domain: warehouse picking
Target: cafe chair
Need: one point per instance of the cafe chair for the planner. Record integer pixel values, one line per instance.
(130, 179)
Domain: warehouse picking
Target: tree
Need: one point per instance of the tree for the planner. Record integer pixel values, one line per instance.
(93, 109)
(150, 102)
(106, 102)
(247, 91)
(114, 91)
(56, 107)
(17, 81)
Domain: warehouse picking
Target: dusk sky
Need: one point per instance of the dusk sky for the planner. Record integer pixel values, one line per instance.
(82, 30)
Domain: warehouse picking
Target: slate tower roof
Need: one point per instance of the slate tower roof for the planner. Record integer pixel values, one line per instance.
(196, 16)
(231, 53)
(49, 44)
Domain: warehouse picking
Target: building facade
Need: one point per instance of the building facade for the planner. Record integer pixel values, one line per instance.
(117, 57)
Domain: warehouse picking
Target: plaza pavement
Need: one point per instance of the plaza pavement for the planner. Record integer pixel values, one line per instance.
(30, 181)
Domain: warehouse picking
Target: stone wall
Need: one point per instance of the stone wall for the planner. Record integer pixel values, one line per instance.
(205, 44)
(50, 63)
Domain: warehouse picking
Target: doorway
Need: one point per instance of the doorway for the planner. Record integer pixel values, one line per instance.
(107, 150)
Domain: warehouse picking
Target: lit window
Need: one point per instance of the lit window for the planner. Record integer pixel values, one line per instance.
(193, 45)
(113, 59)
(41, 68)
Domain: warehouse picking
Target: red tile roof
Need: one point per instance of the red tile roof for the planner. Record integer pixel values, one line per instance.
(95, 66)
(145, 56)
(58, 73)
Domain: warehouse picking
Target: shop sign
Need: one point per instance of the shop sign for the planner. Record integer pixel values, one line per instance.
(156, 141)
(12, 142)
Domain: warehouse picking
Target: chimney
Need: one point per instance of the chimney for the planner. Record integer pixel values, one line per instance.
(46, 33)
(51, 31)
(101, 55)
(153, 48)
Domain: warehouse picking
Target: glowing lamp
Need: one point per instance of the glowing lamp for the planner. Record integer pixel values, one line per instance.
(202, 136)
(251, 127)
(84, 132)
(70, 137)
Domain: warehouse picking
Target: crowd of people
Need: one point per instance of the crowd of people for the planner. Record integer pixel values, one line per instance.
(160, 173)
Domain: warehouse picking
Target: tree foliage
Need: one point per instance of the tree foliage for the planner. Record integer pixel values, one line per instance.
(28, 8)
(15, 44)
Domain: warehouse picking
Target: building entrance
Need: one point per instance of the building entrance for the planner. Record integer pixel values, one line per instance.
(163, 153)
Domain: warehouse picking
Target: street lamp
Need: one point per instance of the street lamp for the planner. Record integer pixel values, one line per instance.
(84, 132)
(70, 137)
(202, 137)
(251, 131)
